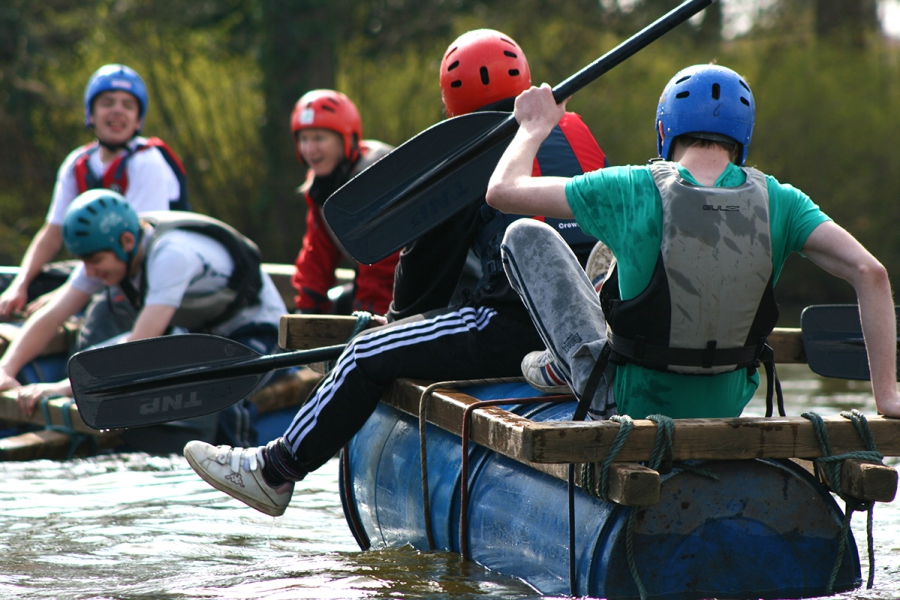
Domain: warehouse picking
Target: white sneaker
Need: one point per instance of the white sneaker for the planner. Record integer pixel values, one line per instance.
(541, 373)
(238, 473)
(598, 264)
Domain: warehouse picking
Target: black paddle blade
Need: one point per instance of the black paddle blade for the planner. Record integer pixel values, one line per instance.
(833, 341)
(107, 390)
(419, 185)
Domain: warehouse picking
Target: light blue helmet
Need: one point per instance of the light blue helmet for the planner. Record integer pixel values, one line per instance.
(114, 77)
(706, 101)
(96, 220)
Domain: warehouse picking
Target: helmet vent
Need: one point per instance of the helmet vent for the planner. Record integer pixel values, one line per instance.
(510, 54)
(83, 220)
(716, 91)
(683, 79)
(453, 66)
(328, 108)
(485, 78)
(745, 101)
(682, 94)
(513, 72)
(744, 85)
(81, 234)
(456, 84)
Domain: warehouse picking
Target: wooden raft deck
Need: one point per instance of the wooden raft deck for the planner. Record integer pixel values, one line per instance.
(550, 447)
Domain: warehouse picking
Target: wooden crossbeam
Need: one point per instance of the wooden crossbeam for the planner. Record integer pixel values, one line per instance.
(301, 332)
(570, 442)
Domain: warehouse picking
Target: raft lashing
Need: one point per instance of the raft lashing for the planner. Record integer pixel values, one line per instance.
(765, 528)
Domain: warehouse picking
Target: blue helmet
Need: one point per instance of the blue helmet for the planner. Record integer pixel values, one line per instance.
(114, 77)
(706, 101)
(96, 220)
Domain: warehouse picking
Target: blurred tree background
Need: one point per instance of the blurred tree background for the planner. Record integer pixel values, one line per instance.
(223, 76)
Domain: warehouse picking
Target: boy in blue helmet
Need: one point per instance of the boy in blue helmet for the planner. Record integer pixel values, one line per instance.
(180, 272)
(145, 171)
(681, 323)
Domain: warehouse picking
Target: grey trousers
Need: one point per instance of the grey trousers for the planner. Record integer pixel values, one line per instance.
(562, 303)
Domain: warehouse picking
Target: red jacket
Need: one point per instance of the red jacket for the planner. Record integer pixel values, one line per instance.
(321, 254)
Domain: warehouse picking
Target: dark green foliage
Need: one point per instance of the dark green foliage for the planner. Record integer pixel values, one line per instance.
(223, 76)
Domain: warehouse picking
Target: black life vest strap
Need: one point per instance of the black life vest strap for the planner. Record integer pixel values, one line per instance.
(593, 382)
(659, 357)
(773, 384)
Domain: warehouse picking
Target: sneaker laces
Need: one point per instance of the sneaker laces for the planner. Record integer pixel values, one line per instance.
(250, 459)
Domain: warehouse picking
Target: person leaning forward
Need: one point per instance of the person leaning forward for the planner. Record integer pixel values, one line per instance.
(486, 335)
(145, 171)
(181, 272)
(700, 241)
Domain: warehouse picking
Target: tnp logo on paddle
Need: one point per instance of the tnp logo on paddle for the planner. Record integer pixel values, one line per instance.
(170, 403)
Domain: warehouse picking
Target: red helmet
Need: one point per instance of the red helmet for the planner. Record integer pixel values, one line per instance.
(328, 109)
(481, 67)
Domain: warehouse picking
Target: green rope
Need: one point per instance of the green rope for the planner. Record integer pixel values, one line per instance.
(76, 438)
(363, 319)
(601, 488)
(831, 465)
(662, 451)
(660, 455)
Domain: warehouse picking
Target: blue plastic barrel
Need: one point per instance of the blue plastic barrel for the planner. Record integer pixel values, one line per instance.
(763, 529)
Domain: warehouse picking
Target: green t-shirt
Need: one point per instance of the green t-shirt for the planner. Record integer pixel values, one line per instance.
(622, 207)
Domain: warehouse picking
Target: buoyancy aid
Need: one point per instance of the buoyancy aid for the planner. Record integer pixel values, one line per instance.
(202, 313)
(115, 177)
(556, 157)
(710, 303)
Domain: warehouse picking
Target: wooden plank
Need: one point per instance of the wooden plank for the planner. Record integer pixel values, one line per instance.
(788, 345)
(570, 442)
(868, 481)
(50, 444)
(302, 332)
(10, 411)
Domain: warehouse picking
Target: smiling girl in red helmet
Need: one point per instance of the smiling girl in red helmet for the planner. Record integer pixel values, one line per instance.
(328, 136)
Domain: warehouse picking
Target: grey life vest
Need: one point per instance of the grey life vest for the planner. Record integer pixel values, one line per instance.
(203, 312)
(710, 304)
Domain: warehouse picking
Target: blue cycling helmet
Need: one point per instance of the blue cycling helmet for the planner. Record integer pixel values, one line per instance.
(114, 77)
(96, 220)
(709, 102)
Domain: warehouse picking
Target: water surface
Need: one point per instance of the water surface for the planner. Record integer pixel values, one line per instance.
(132, 526)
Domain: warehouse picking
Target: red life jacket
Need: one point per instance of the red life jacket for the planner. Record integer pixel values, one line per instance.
(115, 177)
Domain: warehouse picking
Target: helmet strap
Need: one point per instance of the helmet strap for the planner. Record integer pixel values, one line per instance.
(130, 256)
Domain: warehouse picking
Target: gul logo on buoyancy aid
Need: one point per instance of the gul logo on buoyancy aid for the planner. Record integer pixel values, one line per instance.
(115, 177)
(555, 157)
(710, 304)
(244, 285)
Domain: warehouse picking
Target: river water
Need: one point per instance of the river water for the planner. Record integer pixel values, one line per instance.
(132, 526)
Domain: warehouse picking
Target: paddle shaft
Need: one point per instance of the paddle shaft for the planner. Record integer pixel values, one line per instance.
(629, 47)
(248, 366)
